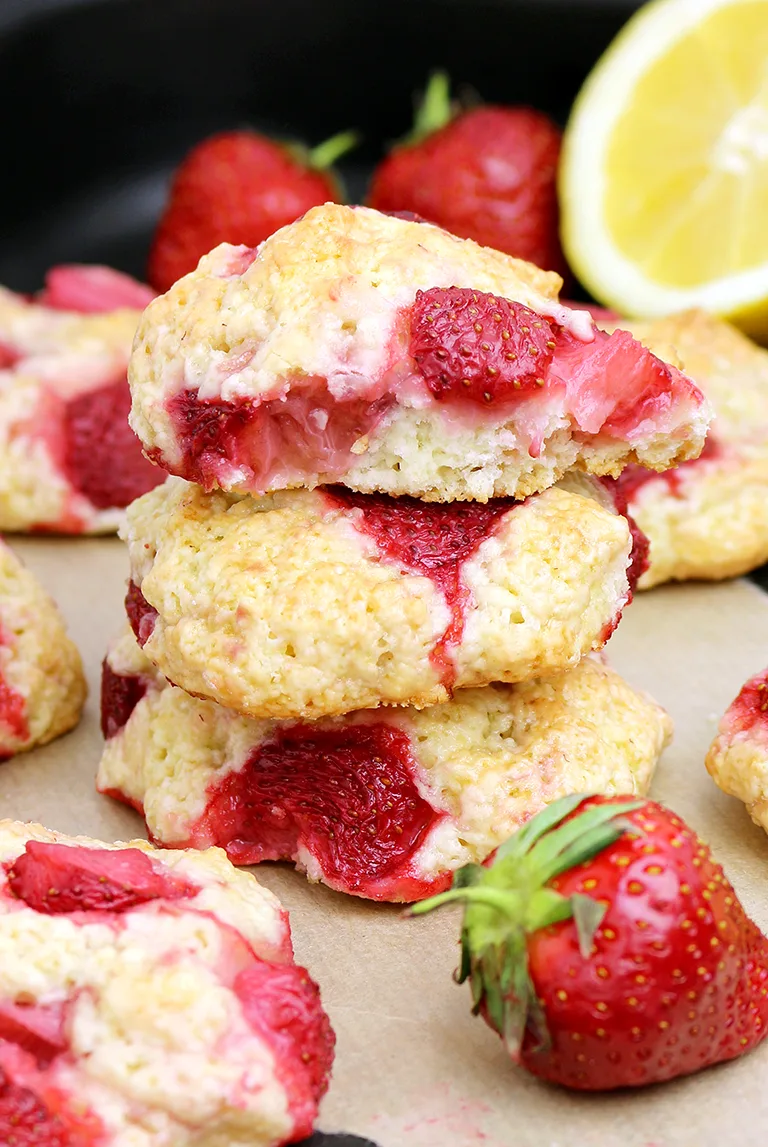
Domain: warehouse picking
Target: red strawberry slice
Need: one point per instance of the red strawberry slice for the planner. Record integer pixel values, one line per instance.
(36, 1028)
(347, 796)
(61, 878)
(608, 948)
(91, 289)
(26, 1122)
(282, 1004)
(141, 615)
(477, 346)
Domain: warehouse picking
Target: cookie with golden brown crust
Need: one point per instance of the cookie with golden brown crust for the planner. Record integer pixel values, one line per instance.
(737, 759)
(391, 356)
(69, 461)
(384, 804)
(42, 684)
(308, 603)
(149, 999)
(708, 518)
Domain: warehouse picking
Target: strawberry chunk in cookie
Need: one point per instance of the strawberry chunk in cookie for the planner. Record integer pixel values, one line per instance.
(392, 356)
(312, 603)
(69, 461)
(149, 998)
(385, 803)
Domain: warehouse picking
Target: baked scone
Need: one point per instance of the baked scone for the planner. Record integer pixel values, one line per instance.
(391, 356)
(309, 603)
(149, 999)
(708, 518)
(384, 804)
(69, 461)
(737, 760)
(42, 684)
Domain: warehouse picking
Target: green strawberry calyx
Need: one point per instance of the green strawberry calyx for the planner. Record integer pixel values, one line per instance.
(434, 110)
(325, 154)
(509, 899)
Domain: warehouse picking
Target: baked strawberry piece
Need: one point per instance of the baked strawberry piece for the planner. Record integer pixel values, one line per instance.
(385, 803)
(607, 947)
(487, 173)
(707, 518)
(42, 684)
(69, 461)
(318, 602)
(737, 759)
(149, 999)
(392, 356)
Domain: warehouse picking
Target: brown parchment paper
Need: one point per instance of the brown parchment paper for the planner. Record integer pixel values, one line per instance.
(413, 1068)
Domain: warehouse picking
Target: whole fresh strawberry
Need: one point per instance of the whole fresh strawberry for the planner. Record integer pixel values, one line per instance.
(488, 174)
(606, 946)
(239, 187)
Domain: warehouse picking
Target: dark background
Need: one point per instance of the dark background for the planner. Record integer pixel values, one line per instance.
(102, 98)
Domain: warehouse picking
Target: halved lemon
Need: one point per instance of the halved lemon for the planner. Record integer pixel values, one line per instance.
(664, 171)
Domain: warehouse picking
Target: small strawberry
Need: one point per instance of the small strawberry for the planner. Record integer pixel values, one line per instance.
(239, 187)
(487, 173)
(606, 946)
(478, 346)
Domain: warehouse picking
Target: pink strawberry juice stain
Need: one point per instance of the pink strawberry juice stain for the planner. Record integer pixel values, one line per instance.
(430, 539)
(141, 615)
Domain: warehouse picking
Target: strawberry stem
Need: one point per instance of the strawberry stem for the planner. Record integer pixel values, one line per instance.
(506, 903)
(327, 153)
(434, 109)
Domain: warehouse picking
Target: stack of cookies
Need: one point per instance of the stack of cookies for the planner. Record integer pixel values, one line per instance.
(364, 607)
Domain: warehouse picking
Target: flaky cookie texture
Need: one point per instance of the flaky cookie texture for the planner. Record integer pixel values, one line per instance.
(383, 804)
(708, 518)
(292, 365)
(42, 683)
(310, 603)
(68, 460)
(149, 999)
(737, 760)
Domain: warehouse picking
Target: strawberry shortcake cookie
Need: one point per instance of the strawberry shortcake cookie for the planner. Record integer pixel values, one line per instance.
(69, 461)
(388, 355)
(42, 685)
(738, 757)
(149, 999)
(384, 804)
(308, 603)
(708, 518)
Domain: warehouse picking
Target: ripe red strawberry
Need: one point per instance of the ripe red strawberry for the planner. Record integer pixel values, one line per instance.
(60, 878)
(238, 187)
(475, 345)
(610, 952)
(488, 174)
